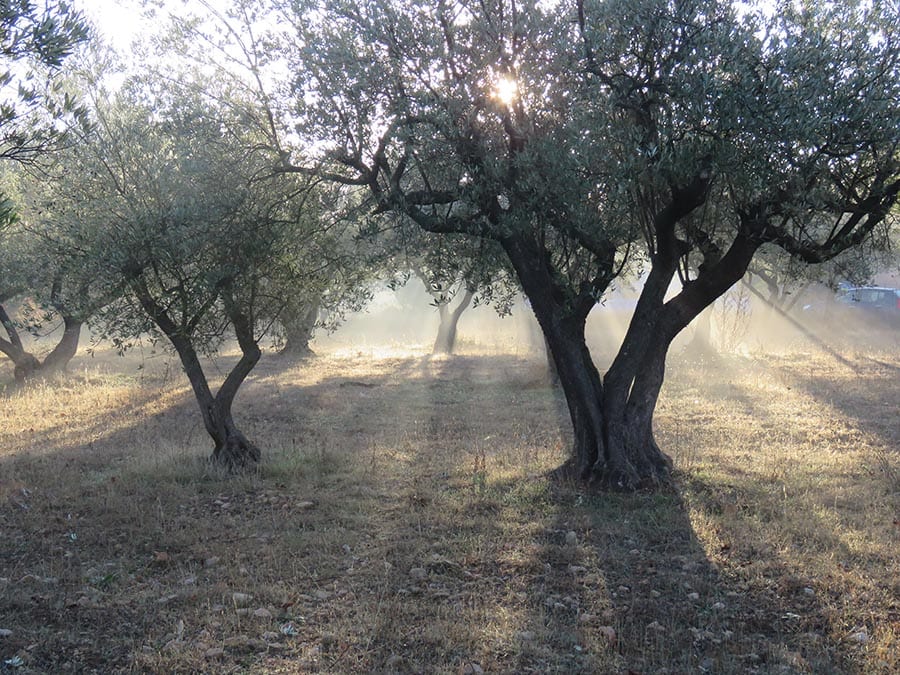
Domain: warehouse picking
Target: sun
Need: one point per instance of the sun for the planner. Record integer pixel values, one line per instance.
(506, 90)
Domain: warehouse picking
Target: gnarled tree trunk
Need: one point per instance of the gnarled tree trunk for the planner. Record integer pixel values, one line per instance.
(612, 417)
(232, 451)
(27, 365)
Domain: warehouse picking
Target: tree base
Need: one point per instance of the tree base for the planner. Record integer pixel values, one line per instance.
(651, 471)
(630, 478)
(236, 454)
(296, 353)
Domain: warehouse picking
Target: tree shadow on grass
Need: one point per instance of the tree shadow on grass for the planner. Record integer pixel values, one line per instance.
(639, 569)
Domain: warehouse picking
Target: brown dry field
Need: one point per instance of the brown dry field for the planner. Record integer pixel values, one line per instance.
(401, 521)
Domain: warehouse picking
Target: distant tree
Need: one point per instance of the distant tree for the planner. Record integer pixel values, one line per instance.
(338, 282)
(47, 302)
(593, 138)
(445, 341)
(457, 273)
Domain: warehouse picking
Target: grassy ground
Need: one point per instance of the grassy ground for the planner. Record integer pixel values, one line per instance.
(401, 523)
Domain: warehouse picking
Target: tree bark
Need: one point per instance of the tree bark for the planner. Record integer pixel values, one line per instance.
(445, 342)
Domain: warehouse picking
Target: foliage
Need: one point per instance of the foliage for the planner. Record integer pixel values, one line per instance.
(35, 110)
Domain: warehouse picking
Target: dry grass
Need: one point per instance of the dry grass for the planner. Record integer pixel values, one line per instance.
(401, 523)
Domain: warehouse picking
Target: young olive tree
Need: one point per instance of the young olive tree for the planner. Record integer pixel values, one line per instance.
(588, 138)
(171, 208)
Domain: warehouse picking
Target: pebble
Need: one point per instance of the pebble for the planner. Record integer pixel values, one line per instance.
(693, 596)
(241, 599)
(571, 538)
(418, 573)
(5, 633)
(262, 613)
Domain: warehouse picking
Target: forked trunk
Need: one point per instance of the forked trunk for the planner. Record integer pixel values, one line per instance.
(634, 460)
(232, 451)
(445, 342)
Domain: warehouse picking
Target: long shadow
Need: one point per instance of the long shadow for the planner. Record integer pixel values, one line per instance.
(870, 398)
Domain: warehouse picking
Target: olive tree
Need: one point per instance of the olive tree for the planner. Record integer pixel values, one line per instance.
(172, 210)
(595, 138)
(36, 112)
(51, 300)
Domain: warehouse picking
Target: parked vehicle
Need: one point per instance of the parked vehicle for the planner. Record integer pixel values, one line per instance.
(871, 307)
(871, 297)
